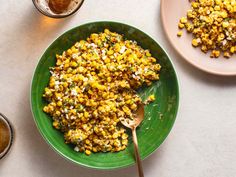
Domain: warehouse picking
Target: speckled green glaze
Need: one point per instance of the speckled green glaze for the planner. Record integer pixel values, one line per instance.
(159, 115)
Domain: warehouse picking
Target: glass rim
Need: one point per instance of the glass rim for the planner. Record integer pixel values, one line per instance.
(57, 15)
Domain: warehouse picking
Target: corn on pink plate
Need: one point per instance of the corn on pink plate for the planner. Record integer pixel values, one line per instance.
(171, 12)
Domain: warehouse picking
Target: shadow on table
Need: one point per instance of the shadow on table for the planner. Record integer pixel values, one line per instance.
(189, 69)
(40, 24)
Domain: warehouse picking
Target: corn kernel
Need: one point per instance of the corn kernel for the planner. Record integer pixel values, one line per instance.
(195, 42)
(181, 25)
(87, 152)
(183, 20)
(180, 33)
(232, 49)
(210, 22)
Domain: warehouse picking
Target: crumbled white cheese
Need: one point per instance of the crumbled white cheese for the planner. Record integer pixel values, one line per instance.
(103, 52)
(76, 149)
(57, 83)
(224, 42)
(73, 117)
(104, 57)
(74, 92)
(122, 50)
(85, 79)
(74, 55)
(92, 45)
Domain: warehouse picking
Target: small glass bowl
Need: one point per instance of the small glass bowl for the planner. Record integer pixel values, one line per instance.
(7, 134)
(45, 10)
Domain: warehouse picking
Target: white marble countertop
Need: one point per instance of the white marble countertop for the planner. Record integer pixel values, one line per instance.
(202, 142)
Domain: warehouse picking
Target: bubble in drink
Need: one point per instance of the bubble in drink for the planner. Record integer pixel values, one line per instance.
(59, 6)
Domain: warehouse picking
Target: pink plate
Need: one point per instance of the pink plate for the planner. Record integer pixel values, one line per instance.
(171, 12)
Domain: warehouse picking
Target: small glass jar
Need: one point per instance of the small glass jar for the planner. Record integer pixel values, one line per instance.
(43, 7)
(6, 135)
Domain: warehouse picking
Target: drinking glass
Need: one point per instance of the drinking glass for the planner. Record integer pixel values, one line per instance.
(6, 135)
(58, 8)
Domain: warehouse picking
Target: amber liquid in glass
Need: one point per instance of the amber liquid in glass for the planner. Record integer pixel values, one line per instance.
(4, 136)
(59, 6)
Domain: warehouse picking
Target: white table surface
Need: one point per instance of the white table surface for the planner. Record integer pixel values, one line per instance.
(202, 142)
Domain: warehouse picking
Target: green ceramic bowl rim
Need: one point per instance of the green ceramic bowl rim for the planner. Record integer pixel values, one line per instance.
(86, 165)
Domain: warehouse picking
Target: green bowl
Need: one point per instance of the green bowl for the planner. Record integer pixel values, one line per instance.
(159, 115)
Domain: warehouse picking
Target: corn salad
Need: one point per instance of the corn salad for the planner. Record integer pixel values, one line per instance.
(213, 25)
(92, 87)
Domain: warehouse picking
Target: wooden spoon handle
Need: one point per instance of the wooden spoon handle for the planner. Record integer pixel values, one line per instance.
(137, 156)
